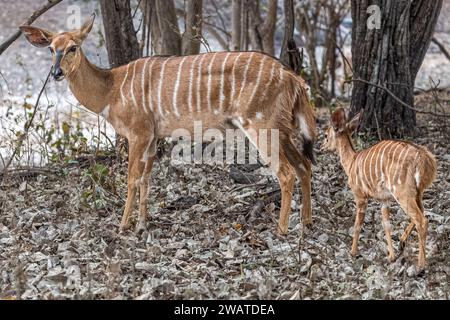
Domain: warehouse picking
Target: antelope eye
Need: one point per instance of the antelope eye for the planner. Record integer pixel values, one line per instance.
(73, 49)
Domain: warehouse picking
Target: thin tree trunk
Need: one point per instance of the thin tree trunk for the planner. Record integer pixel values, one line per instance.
(269, 27)
(245, 25)
(262, 32)
(391, 57)
(236, 22)
(290, 55)
(192, 36)
(168, 26)
(121, 40)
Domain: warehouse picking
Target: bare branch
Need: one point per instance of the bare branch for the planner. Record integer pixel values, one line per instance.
(397, 98)
(43, 9)
(27, 127)
(441, 47)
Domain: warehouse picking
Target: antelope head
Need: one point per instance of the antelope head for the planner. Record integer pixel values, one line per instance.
(340, 127)
(65, 47)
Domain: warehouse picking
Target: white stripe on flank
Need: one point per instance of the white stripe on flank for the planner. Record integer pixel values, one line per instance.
(374, 152)
(222, 80)
(272, 75)
(210, 79)
(398, 164)
(191, 84)
(378, 172)
(281, 74)
(245, 78)
(199, 82)
(408, 149)
(177, 86)
(161, 78)
(233, 84)
(385, 147)
(392, 164)
(258, 80)
(144, 104)
(366, 156)
(150, 78)
(132, 85)
(121, 87)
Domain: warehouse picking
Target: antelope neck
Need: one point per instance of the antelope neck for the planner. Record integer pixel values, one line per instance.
(347, 152)
(91, 85)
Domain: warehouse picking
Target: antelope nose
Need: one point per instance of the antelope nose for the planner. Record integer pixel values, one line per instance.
(58, 74)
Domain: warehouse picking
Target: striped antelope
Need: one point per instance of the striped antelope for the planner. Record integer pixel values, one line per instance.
(389, 170)
(149, 98)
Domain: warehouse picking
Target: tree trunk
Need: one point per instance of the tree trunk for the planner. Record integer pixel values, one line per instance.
(168, 26)
(193, 33)
(121, 40)
(262, 32)
(391, 57)
(236, 22)
(290, 55)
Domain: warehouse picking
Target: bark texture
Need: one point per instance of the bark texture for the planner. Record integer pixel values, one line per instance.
(121, 40)
(390, 56)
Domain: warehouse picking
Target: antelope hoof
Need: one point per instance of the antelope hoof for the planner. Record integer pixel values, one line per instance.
(392, 258)
(282, 230)
(401, 246)
(124, 227)
(307, 220)
(421, 272)
(140, 228)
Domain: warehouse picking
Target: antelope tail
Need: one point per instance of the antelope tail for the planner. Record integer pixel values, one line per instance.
(306, 122)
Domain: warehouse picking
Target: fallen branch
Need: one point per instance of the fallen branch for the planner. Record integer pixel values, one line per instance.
(43, 9)
(31, 172)
(397, 98)
(27, 127)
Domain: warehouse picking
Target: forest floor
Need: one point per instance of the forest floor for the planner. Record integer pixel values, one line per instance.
(211, 238)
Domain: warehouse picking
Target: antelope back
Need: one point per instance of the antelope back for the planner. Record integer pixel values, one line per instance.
(392, 165)
(212, 87)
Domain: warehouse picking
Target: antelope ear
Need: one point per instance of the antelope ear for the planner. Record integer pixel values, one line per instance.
(86, 28)
(353, 125)
(338, 119)
(37, 37)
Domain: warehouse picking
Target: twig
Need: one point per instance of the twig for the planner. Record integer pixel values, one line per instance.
(441, 47)
(397, 98)
(43, 9)
(27, 127)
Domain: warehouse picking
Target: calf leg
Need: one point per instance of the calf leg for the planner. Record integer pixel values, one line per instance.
(413, 210)
(361, 206)
(387, 230)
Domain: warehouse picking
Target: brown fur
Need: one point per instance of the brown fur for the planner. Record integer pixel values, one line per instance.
(149, 98)
(389, 170)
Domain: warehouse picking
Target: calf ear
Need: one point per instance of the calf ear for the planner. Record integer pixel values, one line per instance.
(37, 37)
(338, 119)
(353, 125)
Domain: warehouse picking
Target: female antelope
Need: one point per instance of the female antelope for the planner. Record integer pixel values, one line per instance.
(149, 98)
(389, 170)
